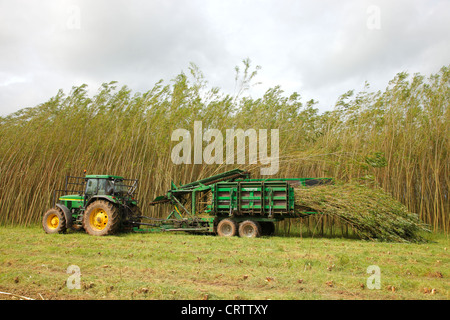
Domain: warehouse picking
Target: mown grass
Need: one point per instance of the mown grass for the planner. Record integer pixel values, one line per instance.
(183, 266)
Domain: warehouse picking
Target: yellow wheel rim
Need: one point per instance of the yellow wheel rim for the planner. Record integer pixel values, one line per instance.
(52, 221)
(98, 219)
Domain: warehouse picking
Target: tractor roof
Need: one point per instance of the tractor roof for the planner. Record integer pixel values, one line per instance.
(102, 176)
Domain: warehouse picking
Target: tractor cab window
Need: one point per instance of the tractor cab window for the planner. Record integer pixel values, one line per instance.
(100, 187)
(120, 187)
(92, 186)
(105, 187)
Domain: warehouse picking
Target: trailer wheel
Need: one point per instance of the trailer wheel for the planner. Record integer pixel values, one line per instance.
(249, 229)
(227, 228)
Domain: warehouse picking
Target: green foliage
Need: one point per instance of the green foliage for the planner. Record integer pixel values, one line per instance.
(370, 212)
(377, 160)
(399, 138)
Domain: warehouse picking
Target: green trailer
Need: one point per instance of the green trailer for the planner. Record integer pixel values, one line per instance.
(229, 204)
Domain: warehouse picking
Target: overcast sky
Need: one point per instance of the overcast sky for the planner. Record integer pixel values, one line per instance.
(319, 49)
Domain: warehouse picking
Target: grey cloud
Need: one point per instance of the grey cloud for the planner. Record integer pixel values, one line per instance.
(319, 49)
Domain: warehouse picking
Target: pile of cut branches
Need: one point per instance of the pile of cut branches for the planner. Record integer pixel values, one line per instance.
(370, 212)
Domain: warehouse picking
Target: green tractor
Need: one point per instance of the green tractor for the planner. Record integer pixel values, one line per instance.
(99, 204)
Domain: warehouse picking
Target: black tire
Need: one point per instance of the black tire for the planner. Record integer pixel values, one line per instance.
(249, 229)
(101, 218)
(132, 218)
(267, 228)
(227, 228)
(54, 221)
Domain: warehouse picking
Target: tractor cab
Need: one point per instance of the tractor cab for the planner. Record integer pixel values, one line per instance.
(105, 185)
(108, 187)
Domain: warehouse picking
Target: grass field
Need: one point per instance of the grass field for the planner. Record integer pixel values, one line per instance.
(181, 266)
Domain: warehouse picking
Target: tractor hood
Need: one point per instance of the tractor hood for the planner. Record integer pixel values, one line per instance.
(74, 197)
(71, 201)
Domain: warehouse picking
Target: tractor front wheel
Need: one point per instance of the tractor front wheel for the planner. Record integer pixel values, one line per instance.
(54, 221)
(101, 218)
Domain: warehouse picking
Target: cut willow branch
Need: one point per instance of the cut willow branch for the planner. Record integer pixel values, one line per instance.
(370, 212)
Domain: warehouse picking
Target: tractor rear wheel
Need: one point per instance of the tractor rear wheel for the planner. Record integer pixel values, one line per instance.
(54, 221)
(101, 218)
(249, 229)
(227, 228)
